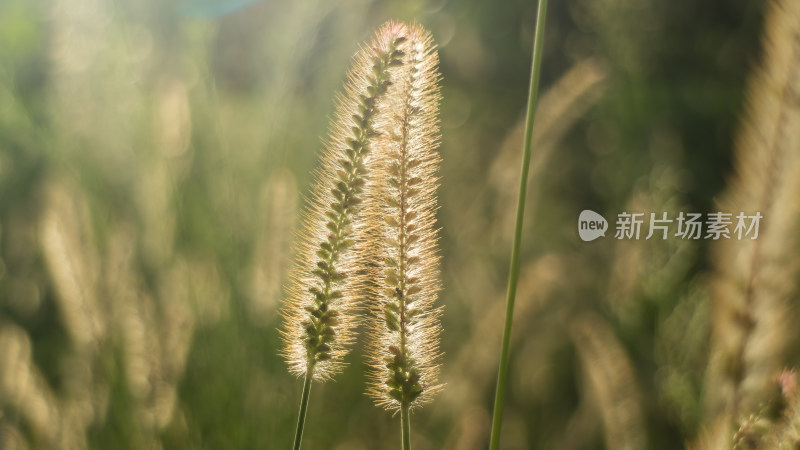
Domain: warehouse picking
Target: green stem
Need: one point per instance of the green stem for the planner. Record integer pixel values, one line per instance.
(513, 276)
(298, 437)
(405, 424)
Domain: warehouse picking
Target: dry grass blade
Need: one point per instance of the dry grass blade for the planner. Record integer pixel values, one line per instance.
(754, 283)
(72, 263)
(560, 107)
(272, 245)
(612, 381)
(24, 389)
(538, 282)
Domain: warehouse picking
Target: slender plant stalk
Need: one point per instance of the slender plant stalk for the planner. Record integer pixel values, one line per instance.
(301, 420)
(513, 276)
(405, 424)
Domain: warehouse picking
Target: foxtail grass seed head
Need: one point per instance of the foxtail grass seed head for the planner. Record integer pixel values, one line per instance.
(754, 287)
(319, 315)
(404, 346)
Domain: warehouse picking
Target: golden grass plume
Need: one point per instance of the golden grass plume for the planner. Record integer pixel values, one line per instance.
(404, 326)
(753, 284)
(325, 285)
(612, 380)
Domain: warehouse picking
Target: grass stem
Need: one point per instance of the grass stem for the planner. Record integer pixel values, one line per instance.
(513, 276)
(405, 424)
(301, 420)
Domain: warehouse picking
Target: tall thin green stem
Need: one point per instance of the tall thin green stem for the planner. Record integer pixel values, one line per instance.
(301, 420)
(513, 276)
(405, 424)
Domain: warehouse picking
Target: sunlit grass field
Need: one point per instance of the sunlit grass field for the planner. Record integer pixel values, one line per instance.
(155, 158)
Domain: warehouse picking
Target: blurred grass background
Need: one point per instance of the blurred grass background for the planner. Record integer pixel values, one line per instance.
(153, 160)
